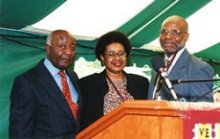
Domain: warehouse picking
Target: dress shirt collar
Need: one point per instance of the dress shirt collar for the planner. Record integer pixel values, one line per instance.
(52, 69)
(175, 59)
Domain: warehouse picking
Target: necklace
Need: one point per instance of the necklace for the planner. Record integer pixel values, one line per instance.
(120, 95)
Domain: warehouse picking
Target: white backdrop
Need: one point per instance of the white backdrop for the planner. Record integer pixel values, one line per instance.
(96, 17)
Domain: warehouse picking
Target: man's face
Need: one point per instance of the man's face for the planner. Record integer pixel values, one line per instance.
(173, 37)
(61, 52)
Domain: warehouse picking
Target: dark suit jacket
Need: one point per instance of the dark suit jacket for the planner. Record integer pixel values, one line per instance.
(38, 107)
(93, 89)
(188, 67)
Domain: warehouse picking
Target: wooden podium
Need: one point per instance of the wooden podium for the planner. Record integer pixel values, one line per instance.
(142, 120)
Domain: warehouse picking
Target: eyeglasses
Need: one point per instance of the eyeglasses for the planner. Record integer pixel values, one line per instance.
(173, 32)
(113, 54)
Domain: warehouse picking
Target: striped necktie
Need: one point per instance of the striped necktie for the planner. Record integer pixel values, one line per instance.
(66, 92)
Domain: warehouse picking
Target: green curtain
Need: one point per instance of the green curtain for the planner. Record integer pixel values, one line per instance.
(14, 60)
(16, 14)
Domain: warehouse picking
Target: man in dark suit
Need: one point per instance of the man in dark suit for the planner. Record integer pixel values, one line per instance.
(39, 108)
(182, 66)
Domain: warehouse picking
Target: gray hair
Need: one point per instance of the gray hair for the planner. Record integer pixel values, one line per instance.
(49, 37)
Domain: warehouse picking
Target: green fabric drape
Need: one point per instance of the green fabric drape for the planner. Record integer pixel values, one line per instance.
(17, 14)
(19, 51)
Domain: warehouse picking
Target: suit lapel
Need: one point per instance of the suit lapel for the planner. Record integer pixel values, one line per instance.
(180, 66)
(52, 88)
(74, 79)
(153, 84)
(101, 77)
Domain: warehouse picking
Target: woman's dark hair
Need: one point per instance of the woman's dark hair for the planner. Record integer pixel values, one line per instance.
(112, 37)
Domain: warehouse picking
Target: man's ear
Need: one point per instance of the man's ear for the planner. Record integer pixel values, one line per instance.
(186, 36)
(47, 48)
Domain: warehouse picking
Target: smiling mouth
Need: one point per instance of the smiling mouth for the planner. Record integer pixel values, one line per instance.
(117, 64)
(169, 42)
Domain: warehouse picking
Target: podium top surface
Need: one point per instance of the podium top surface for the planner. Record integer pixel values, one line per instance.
(182, 106)
(149, 108)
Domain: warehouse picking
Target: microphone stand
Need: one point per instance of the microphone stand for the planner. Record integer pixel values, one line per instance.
(191, 81)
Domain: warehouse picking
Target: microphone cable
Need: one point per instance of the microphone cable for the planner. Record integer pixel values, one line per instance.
(205, 94)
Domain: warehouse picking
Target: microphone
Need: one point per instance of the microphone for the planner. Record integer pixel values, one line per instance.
(157, 63)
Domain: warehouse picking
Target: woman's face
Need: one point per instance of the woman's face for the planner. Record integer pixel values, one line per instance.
(114, 58)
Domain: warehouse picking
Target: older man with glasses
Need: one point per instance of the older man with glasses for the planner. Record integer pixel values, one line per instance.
(182, 66)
